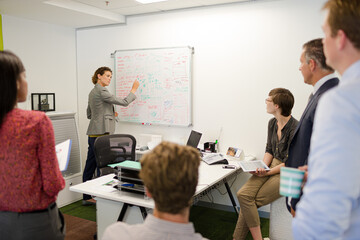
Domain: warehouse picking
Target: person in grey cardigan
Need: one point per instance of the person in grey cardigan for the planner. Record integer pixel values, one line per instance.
(102, 115)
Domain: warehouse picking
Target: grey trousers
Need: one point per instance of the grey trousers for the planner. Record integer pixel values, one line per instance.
(47, 224)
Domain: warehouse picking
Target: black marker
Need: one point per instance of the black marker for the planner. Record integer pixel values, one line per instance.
(229, 167)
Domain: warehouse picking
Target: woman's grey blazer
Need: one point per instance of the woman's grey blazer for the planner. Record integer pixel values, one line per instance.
(101, 112)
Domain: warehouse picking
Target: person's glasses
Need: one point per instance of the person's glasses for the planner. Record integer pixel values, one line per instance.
(268, 100)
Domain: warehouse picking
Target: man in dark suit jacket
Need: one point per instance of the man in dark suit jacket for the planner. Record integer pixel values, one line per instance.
(316, 73)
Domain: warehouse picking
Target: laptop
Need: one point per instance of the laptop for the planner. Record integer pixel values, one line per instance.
(194, 139)
(210, 158)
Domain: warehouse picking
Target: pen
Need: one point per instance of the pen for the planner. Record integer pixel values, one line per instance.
(127, 185)
(109, 183)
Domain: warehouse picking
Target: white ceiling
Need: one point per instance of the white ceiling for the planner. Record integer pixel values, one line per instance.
(39, 11)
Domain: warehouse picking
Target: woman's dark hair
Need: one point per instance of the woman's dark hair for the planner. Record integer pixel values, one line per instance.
(10, 69)
(284, 98)
(101, 71)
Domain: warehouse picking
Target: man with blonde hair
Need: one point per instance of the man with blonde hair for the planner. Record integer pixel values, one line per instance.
(330, 206)
(170, 175)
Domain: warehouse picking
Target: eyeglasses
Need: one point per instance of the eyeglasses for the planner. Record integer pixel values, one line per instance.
(268, 100)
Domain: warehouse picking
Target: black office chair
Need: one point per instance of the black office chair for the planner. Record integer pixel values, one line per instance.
(113, 148)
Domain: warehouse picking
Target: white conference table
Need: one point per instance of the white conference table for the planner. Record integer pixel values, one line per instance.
(110, 202)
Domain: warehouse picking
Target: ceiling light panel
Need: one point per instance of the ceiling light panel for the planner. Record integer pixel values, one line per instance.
(150, 1)
(215, 2)
(177, 4)
(140, 9)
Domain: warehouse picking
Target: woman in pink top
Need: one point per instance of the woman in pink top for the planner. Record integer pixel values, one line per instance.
(30, 179)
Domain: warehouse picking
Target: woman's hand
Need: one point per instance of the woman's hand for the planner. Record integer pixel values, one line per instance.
(260, 172)
(135, 86)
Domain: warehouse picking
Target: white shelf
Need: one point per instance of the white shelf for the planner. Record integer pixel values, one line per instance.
(65, 128)
(66, 196)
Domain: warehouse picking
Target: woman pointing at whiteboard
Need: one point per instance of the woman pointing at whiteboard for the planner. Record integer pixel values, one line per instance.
(101, 113)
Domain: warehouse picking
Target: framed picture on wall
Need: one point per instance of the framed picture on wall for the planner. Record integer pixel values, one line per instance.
(43, 102)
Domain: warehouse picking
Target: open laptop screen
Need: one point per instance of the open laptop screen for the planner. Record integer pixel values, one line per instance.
(194, 139)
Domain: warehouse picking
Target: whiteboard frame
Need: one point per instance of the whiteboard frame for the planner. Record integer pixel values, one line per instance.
(191, 49)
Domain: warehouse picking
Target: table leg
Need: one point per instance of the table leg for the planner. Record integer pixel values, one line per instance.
(231, 196)
(123, 211)
(125, 207)
(143, 212)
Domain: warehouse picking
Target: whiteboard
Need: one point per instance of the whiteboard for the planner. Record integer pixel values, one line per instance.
(164, 94)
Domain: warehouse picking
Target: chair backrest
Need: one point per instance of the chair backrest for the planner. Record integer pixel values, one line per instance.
(113, 148)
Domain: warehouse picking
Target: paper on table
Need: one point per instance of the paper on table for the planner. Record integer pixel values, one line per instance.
(108, 186)
(214, 158)
(63, 154)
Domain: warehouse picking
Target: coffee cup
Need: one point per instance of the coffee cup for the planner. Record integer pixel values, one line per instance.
(291, 181)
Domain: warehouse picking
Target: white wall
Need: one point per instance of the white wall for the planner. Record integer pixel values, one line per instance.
(49, 55)
(241, 52)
